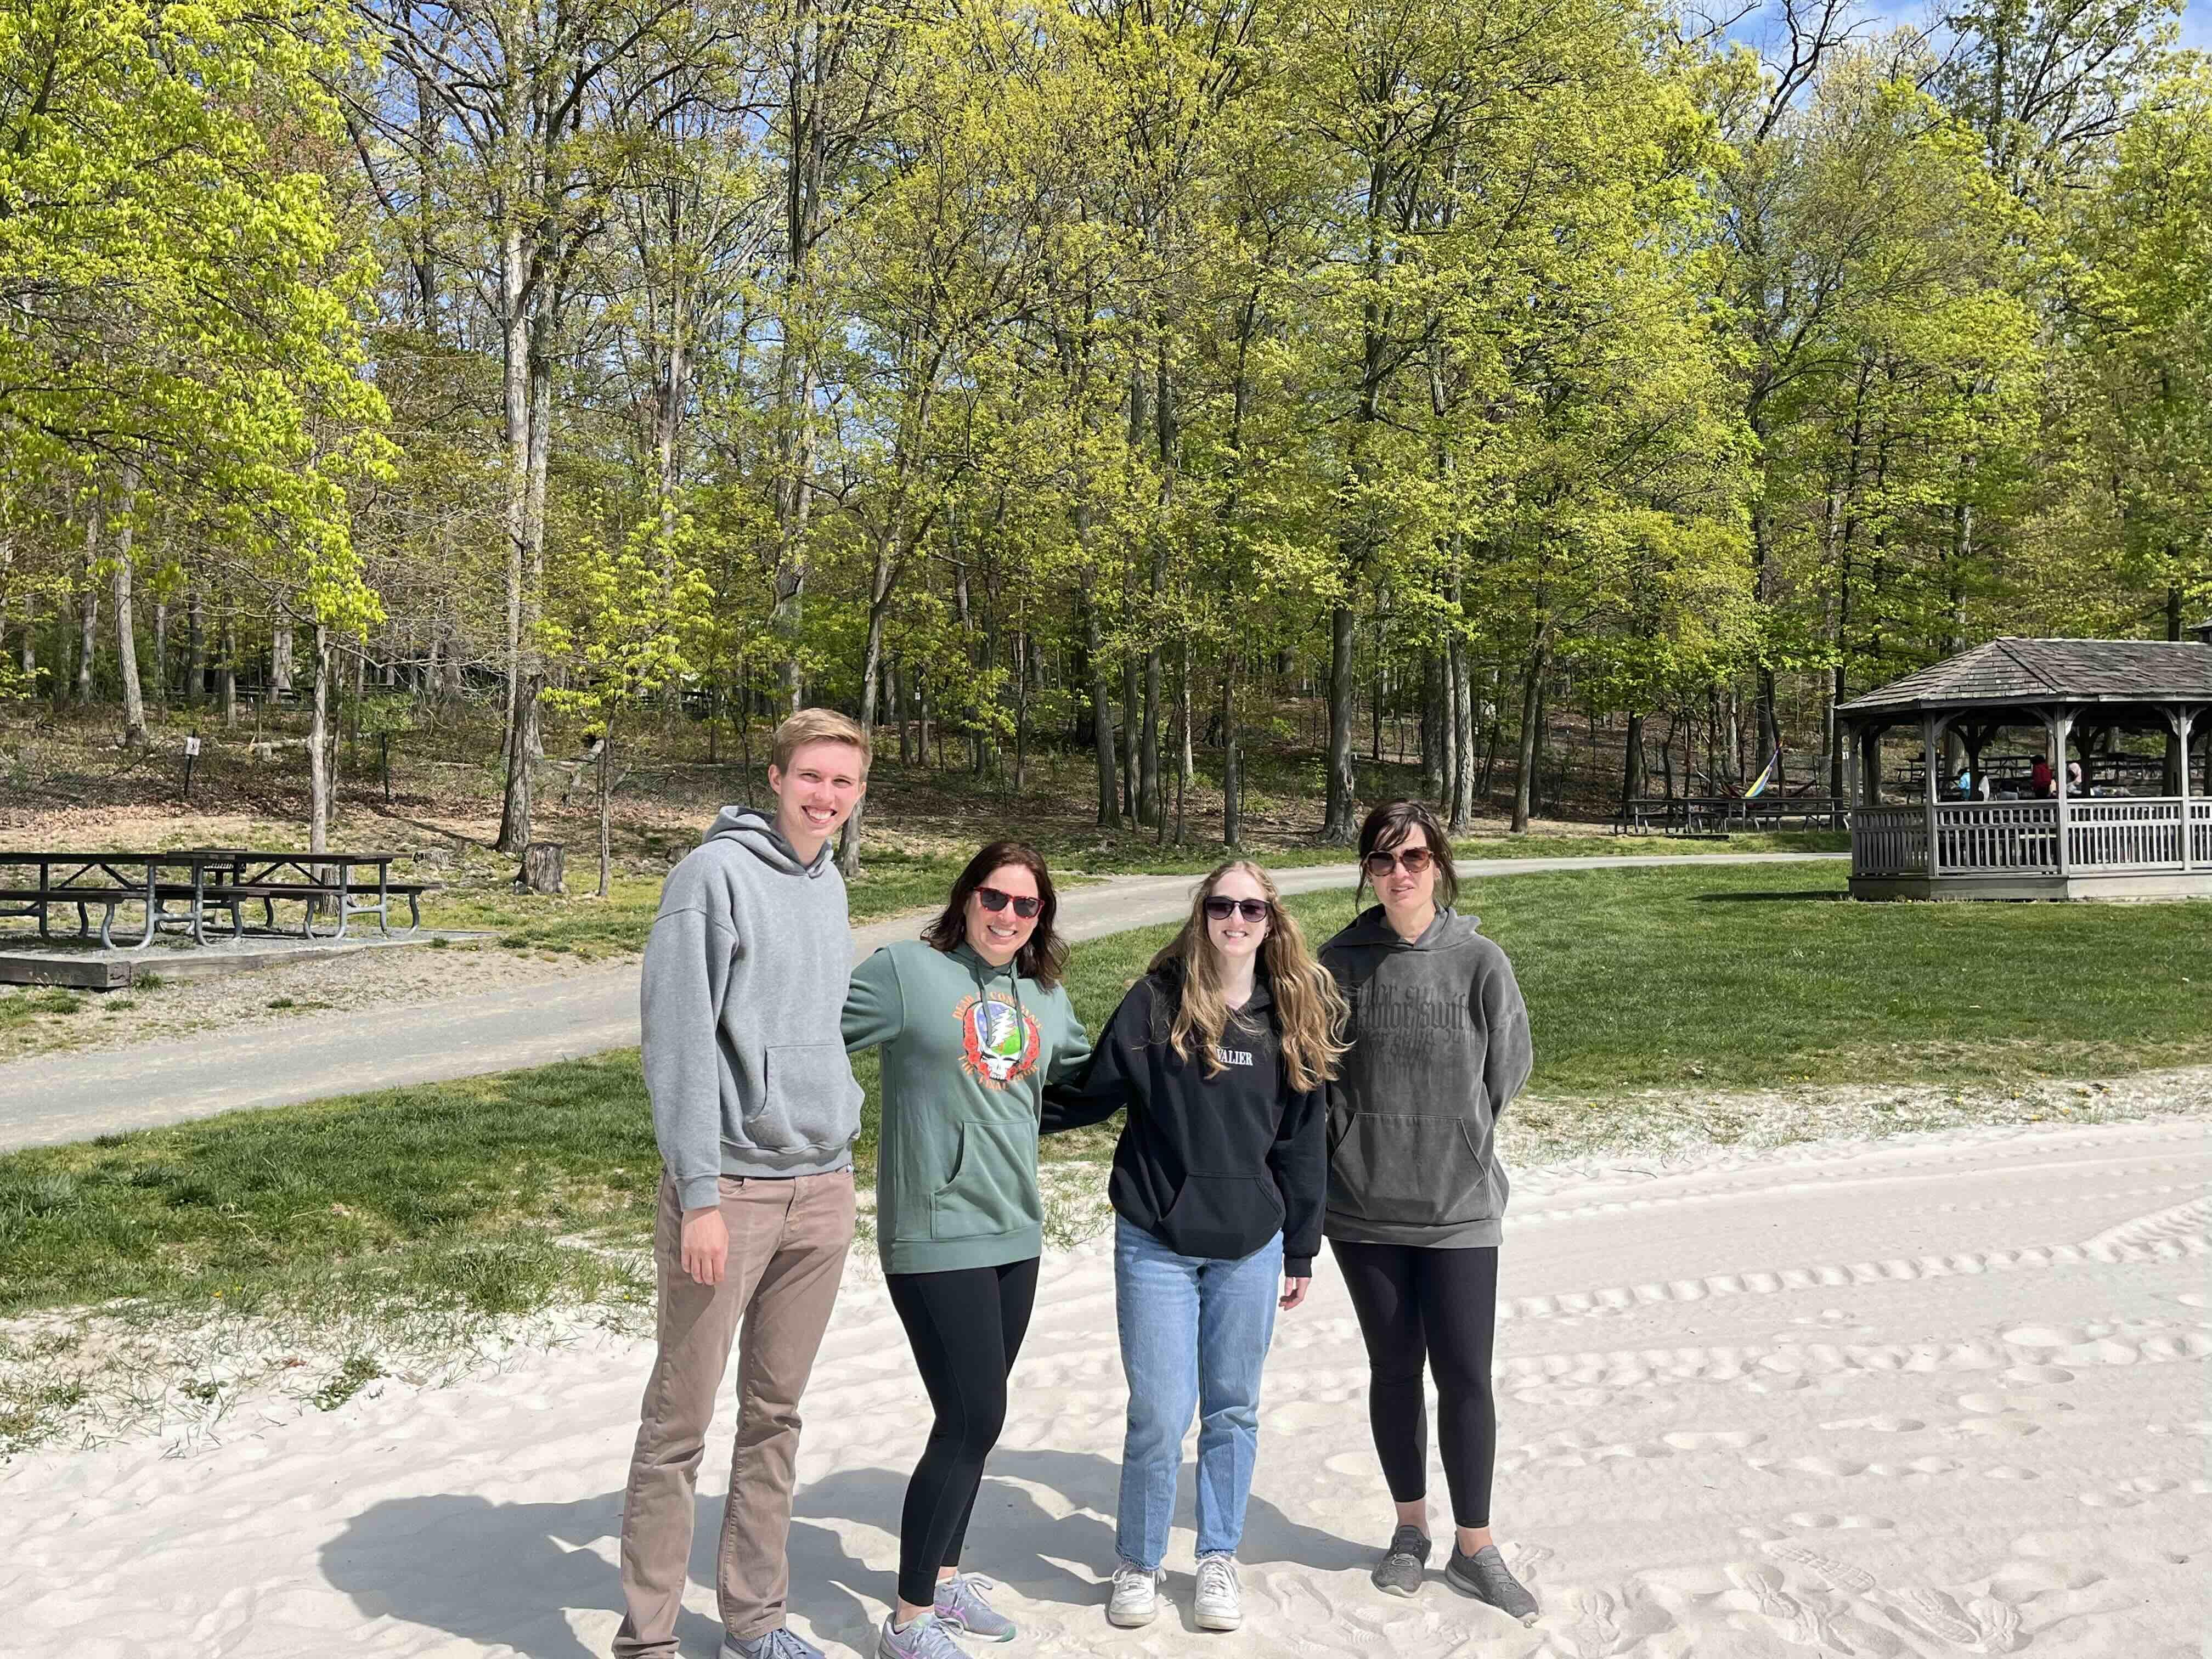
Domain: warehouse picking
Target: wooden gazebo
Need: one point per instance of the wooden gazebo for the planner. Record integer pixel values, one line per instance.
(2097, 839)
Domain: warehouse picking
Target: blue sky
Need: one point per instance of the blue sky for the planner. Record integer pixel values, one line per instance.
(2197, 25)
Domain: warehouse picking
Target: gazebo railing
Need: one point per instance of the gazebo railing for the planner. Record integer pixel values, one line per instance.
(1889, 841)
(2003, 837)
(1996, 836)
(2124, 835)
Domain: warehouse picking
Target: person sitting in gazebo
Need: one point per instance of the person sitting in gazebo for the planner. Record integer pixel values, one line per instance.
(2040, 782)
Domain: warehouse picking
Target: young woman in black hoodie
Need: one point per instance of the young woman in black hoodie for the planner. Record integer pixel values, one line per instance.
(1221, 1054)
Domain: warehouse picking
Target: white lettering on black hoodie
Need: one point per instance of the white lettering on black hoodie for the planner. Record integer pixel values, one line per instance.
(1439, 1047)
(1210, 1166)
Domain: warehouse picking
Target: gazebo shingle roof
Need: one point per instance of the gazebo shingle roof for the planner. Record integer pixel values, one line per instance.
(2012, 670)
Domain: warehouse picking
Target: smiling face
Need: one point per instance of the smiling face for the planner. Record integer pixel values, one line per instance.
(1235, 937)
(998, 936)
(818, 791)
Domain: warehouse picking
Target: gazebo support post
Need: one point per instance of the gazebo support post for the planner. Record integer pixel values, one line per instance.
(2181, 718)
(1931, 738)
(2062, 726)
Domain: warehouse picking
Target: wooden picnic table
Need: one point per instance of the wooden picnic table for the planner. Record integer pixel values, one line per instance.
(202, 880)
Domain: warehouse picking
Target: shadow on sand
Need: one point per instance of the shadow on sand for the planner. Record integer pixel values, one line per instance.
(507, 1574)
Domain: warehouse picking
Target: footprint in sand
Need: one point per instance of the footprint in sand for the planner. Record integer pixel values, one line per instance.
(1712, 1440)
(1814, 1521)
(2129, 1493)
(1879, 1425)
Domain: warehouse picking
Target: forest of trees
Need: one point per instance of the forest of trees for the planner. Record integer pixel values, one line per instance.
(1095, 372)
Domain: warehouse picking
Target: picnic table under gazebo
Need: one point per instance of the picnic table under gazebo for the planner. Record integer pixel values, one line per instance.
(2102, 839)
(196, 890)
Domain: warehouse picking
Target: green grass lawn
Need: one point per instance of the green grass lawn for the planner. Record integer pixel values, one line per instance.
(892, 882)
(513, 1192)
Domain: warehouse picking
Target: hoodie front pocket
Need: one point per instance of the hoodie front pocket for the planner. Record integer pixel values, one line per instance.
(988, 1192)
(1222, 1218)
(807, 1099)
(1419, 1171)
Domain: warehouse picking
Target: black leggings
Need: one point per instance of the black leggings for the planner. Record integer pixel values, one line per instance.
(1440, 1306)
(965, 1327)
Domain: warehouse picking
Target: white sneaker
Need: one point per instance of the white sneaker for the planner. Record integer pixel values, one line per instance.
(1136, 1598)
(1220, 1603)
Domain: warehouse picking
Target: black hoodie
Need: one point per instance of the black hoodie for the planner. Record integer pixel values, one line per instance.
(1210, 1166)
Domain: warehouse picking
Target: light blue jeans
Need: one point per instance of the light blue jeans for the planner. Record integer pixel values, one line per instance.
(1194, 1332)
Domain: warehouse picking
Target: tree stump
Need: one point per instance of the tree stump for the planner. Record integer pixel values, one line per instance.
(541, 868)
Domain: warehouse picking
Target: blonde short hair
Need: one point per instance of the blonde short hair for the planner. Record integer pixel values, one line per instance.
(816, 725)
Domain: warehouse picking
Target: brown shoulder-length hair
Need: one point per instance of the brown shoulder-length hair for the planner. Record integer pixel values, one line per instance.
(1044, 958)
(1391, 824)
(1310, 1009)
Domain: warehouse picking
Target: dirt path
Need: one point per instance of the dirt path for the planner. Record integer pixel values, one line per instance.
(462, 1031)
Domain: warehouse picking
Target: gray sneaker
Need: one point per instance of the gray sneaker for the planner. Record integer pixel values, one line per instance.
(1485, 1577)
(960, 1604)
(1404, 1564)
(1220, 1603)
(927, 1637)
(774, 1645)
(1136, 1598)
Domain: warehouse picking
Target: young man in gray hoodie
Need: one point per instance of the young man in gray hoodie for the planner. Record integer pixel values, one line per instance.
(755, 1111)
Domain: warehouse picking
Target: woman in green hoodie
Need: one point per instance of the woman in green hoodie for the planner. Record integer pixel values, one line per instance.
(974, 1022)
(1439, 1046)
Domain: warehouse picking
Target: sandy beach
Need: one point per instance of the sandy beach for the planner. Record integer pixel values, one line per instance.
(1934, 1395)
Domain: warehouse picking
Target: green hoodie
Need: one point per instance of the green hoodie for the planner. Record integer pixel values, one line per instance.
(968, 1049)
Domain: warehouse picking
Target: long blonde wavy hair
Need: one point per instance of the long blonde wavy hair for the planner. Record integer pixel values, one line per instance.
(1309, 1008)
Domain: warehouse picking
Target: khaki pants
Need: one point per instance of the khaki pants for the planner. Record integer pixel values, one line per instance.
(787, 1244)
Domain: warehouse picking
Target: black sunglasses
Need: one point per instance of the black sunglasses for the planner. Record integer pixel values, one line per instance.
(995, 901)
(1415, 859)
(1220, 909)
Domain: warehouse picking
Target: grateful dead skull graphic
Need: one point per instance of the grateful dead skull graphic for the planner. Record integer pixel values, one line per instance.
(1000, 1040)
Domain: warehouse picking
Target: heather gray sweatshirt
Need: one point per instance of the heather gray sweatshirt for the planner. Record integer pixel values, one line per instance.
(1439, 1046)
(745, 974)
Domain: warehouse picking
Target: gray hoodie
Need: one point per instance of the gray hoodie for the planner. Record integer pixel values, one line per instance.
(1439, 1046)
(746, 975)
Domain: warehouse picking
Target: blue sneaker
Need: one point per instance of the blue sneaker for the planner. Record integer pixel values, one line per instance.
(960, 1604)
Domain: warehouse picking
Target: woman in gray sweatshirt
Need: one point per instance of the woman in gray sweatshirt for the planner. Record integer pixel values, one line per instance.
(1439, 1044)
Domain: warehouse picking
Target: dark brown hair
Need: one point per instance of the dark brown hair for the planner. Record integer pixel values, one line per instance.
(1045, 956)
(1388, 828)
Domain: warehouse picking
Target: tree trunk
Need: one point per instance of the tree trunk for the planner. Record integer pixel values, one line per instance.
(881, 582)
(1341, 802)
(227, 674)
(1463, 735)
(514, 421)
(318, 760)
(542, 870)
(1102, 713)
(196, 645)
(1632, 770)
(606, 770)
(88, 607)
(126, 638)
(1532, 715)
(1232, 771)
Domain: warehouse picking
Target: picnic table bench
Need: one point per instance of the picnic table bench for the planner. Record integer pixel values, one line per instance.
(1718, 815)
(205, 881)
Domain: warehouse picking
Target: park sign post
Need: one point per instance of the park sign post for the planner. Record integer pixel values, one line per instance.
(191, 753)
